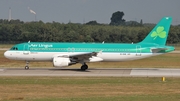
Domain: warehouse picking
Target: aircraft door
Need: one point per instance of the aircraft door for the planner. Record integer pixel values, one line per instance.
(138, 50)
(26, 49)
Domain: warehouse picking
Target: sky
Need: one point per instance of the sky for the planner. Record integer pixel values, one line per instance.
(83, 11)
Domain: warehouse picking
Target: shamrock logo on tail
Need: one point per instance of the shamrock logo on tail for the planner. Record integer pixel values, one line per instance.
(159, 33)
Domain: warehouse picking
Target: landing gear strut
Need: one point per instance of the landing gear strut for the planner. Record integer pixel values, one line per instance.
(84, 67)
(27, 67)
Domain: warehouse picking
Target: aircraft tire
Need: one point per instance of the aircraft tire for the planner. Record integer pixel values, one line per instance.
(26, 67)
(84, 67)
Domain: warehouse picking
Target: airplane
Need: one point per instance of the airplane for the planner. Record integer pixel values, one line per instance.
(66, 54)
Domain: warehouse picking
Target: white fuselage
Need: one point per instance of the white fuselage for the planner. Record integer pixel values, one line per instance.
(48, 56)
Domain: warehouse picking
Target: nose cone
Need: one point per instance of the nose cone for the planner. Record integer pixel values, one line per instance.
(6, 54)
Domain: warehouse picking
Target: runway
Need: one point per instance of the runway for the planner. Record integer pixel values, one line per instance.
(93, 72)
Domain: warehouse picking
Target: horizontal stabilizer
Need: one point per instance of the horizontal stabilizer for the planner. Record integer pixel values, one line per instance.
(156, 50)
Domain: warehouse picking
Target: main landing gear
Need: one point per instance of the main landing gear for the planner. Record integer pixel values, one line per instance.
(84, 67)
(27, 67)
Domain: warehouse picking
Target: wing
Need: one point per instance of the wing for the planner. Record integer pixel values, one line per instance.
(81, 57)
(85, 57)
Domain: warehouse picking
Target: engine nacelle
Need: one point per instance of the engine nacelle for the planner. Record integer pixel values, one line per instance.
(61, 62)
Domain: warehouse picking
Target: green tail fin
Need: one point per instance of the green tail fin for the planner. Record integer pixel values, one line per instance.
(159, 33)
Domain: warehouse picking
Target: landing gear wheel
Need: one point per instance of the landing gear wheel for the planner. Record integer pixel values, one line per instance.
(26, 67)
(84, 67)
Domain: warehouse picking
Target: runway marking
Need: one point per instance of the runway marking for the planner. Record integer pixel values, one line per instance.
(106, 72)
(156, 72)
(1, 70)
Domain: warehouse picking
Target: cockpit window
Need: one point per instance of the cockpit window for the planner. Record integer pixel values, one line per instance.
(14, 48)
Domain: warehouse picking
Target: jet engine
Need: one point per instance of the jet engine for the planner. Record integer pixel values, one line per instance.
(61, 61)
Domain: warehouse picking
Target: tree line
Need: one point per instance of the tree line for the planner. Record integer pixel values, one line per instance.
(19, 31)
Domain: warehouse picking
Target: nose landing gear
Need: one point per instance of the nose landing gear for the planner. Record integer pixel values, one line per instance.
(27, 67)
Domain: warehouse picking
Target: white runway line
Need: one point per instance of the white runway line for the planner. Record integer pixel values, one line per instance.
(155, 72)
(1, 70)
(96, 72)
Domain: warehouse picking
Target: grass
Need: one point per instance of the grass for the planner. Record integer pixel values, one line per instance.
(88, 88)
(177, 48)
(6, 45)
